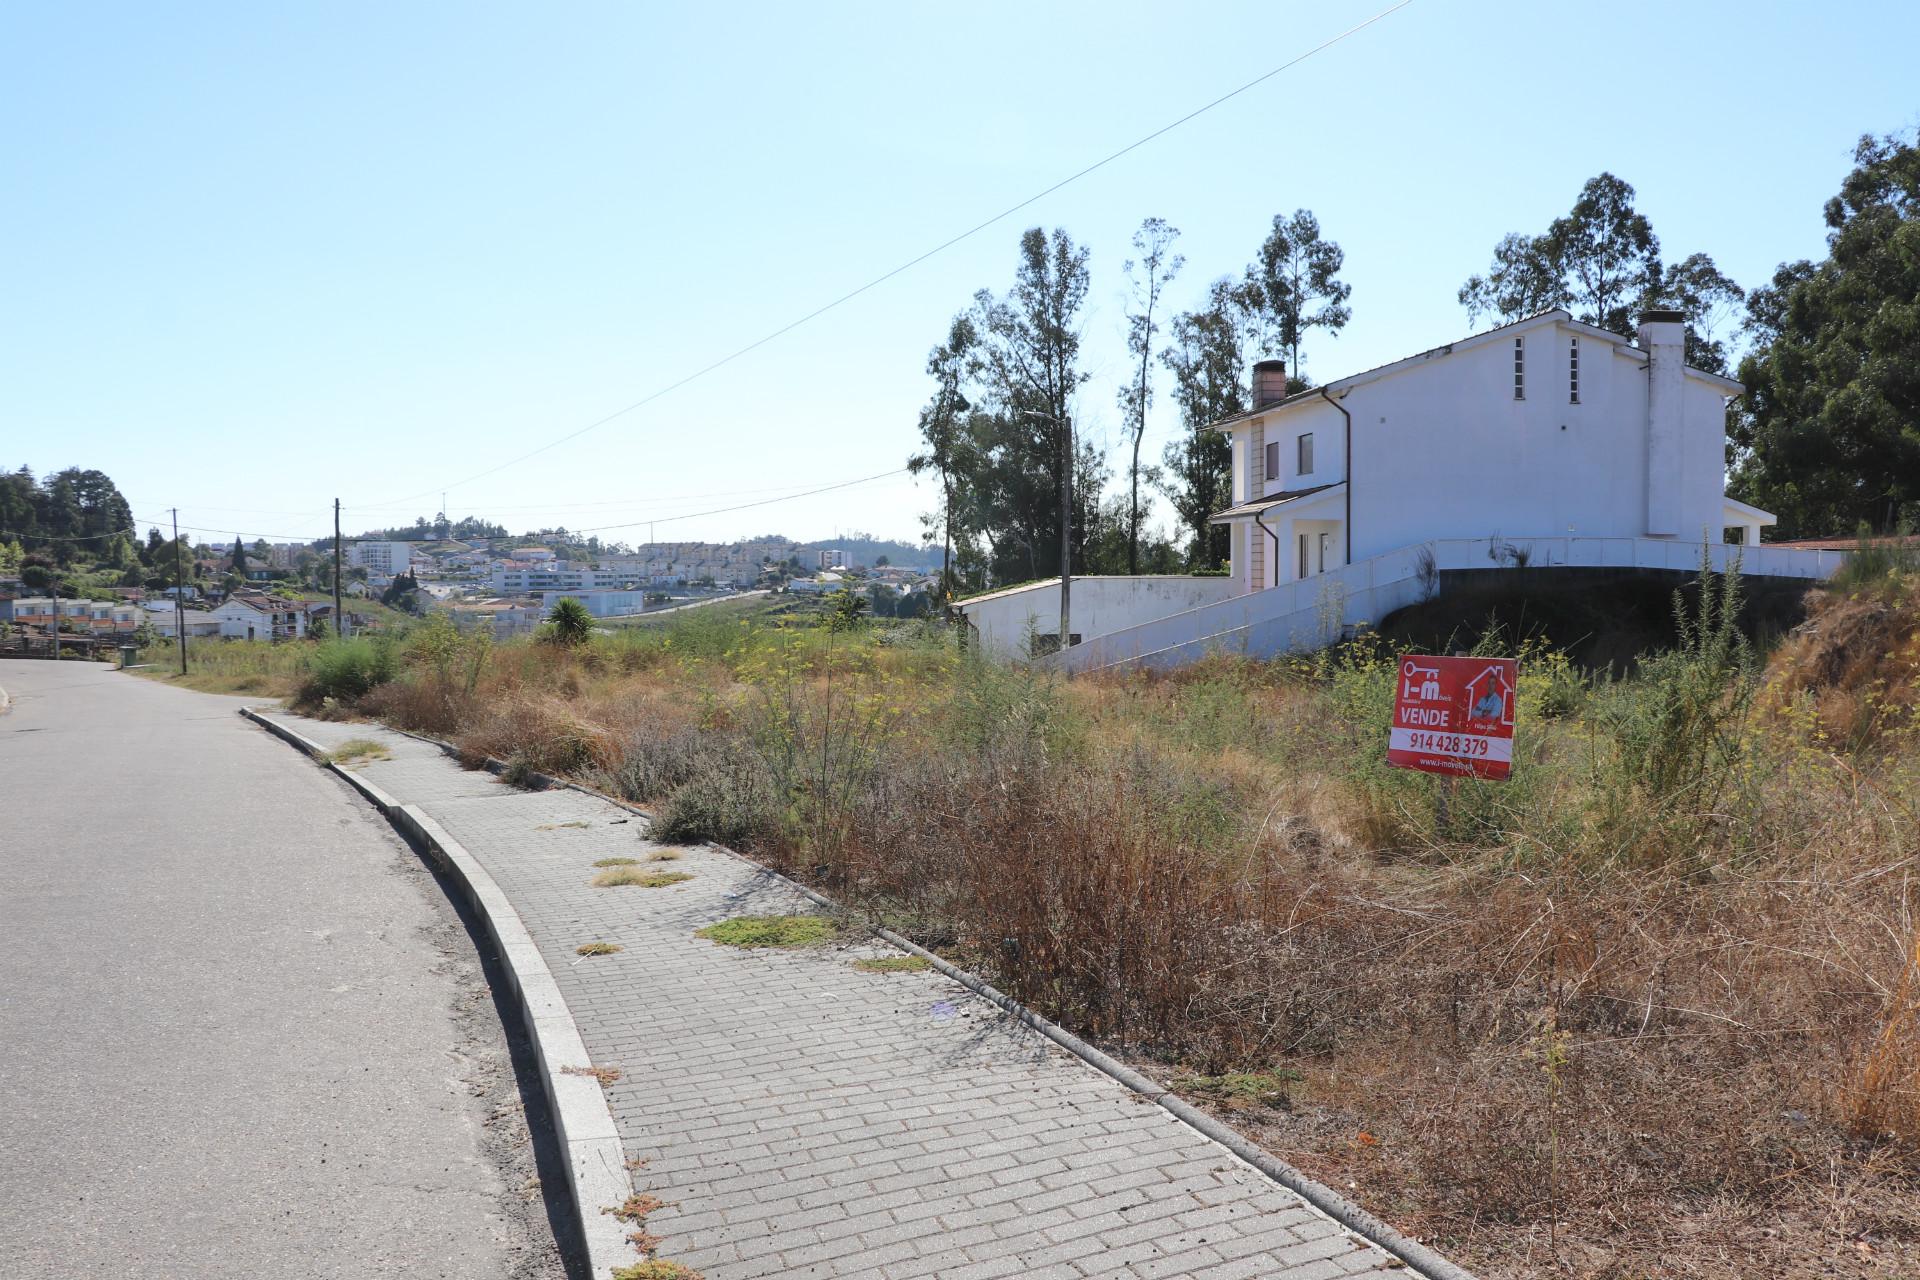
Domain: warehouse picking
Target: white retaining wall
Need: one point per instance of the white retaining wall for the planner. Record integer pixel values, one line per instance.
(1307, 614)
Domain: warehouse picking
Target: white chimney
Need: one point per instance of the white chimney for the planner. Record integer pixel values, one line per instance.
(1663, 336)
(1269, 383)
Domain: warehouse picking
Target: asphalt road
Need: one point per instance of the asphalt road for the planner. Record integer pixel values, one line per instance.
(242, 1031)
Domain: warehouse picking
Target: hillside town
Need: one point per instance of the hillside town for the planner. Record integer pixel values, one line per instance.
(279, 591)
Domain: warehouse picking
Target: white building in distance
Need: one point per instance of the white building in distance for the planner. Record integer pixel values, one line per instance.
(390, 559)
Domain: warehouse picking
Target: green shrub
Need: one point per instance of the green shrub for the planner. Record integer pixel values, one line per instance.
(1878, 562)
(344, 670)
(720, 805)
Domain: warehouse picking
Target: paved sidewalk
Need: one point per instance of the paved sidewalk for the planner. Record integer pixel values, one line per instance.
(802, 1118)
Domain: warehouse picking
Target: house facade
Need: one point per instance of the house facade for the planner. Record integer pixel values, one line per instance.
(245, 616)
(1541, 442)
(1542, 428)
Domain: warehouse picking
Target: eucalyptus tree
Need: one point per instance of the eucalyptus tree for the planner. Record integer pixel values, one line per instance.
(1828, 438)
(1208, 358)
(1029, 372)
(1294, 285)
(1156, 266)
(948, 445)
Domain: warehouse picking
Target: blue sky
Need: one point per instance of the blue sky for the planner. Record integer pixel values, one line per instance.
(260, 256)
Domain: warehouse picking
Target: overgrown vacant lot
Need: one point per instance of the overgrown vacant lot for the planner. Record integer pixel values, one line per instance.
(1652, 1008)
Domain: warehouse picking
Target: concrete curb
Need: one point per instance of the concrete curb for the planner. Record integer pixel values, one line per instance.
(596, 1160)
(6, 703)
(1419, 1259)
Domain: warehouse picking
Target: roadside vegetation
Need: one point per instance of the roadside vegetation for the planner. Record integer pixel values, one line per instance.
(1663, 983)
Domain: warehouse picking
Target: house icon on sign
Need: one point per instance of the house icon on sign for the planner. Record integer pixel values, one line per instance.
(1490, 697)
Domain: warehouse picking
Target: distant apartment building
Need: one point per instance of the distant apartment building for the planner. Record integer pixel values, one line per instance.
(514, 580)
(389, 558)
(601, 604)
(92, 617)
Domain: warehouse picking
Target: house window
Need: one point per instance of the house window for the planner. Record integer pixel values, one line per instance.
(1519, 368)
(1303, 555)
(1573, 371)
(1273, 460)
(1304, 447)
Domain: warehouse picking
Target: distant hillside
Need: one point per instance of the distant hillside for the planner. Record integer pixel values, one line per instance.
(862, 549)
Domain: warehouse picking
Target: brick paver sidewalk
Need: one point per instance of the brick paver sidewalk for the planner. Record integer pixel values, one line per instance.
(802, 1118)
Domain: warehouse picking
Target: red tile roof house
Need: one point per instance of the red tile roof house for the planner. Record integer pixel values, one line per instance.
(1541, 442)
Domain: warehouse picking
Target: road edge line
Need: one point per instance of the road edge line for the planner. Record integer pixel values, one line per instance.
(583, 1122)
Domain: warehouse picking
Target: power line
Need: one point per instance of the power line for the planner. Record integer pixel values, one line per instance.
(53, 537)
(942, 247)
(745, 506)
(490, 508)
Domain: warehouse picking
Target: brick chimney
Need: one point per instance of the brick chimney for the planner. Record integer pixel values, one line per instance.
(1269, 383)
(1663, 336)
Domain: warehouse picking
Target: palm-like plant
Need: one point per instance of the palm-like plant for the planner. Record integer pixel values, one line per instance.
(568, 622)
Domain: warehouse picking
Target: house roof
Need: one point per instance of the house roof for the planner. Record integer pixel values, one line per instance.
(264, 604)
(1270, 501)
(1748, 510)
(1621, 345)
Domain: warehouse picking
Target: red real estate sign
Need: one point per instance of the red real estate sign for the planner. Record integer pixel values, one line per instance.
(1454, 716)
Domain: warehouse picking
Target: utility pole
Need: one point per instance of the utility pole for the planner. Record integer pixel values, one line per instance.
(56, 617)
(179, 596)
(1066, 530)
(339, 614)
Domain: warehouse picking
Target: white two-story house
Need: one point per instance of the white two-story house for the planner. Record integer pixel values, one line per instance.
(1542, 442)
(1542, 428)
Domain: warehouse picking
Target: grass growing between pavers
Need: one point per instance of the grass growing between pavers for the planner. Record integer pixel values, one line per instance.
(619, 877)
(893, 964)
(562, 826)
(359, 749)
(664, 855)
(605, 1075)
(596, 948)
(770, 931)
(1242, 1088)
(617, 862)
(656, 1269)
(634, 1214)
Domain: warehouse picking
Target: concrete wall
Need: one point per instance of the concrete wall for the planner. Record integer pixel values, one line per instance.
(1297, 616)
(1003, 620)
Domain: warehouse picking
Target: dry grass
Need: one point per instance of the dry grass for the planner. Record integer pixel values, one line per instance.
(622, 876)
(229, 666)
(359, 749)
(605, 1075)
(1565, 1027)
(892, 964)
(596, 948)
